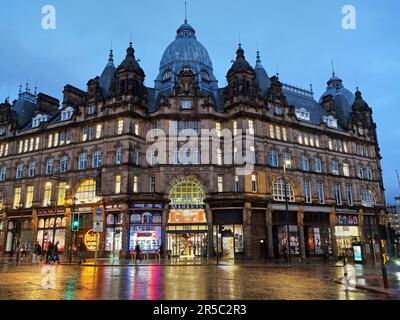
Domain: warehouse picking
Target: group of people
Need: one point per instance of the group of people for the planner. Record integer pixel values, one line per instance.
(52, 252)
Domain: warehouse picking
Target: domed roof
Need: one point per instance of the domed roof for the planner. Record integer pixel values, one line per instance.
(185, 52)
(186, 48)
(240, 64)
(343, 99)
(130, 63)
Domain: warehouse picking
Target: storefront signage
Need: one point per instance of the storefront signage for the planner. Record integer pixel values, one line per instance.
(113, 207)
(92, 240)
(145, 206)
(51, 211)
(85, 209)
(187, 216)
(351, 220)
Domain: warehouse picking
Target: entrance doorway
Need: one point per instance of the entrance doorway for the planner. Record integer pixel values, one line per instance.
(187, 245)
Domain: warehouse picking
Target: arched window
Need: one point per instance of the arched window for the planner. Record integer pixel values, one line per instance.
(86, 192)
(167, 75)
(278, 191)
(187, 190)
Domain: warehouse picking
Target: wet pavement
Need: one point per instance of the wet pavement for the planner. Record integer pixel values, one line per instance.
(185, 281)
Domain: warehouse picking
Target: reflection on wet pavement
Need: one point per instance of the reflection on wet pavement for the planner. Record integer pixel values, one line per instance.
(176, 283)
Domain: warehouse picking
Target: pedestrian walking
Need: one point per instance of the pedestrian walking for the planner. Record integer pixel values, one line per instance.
(37, 251)
(23, 248)
(82, 252)
(49, 252)
(137, 252)
(285, 253)
(55, 253)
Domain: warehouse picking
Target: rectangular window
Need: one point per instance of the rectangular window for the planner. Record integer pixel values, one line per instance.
(278, 133)
(237, 184)
(19, 171)
(253, 155)
(26, 143)
(68, 137)
(31, 144)
(120, 126)
(304, 163)
(98, 131)
(284, 134)
(50, 141)
(118, 155)
(91, 133)
(219, 156)
(177, 129)
(196, 127)
(317, 144)
(271, 131)
(152, 184)
(62, 138)
(317, 165)
(117, 184)
(330, 144)
(3, 173)
(29, 196)
(251, 127)
(334, 167)
(186, 104)
(287, 160)
(320, 192)
(307, 191)
(300, 138)
(136, 157)
(273, 159)
(17, 197)
(56, 139)
(218, 129)
(47, 194)
(349, 195)
(84, 134)
(338, 194)
(220, 184)
(235, 127)
(20, 146)
(346, 169)
(61, 193)
(137, 128)
(254, 187)
(135, 184)
(6, 150)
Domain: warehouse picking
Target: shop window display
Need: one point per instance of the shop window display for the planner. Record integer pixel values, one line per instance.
(45, 232)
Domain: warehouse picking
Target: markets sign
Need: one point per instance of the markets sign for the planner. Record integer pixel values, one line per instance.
(187, 216)
(92, 240)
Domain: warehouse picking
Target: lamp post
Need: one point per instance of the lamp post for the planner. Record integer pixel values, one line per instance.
(382, 251)
(286, 163)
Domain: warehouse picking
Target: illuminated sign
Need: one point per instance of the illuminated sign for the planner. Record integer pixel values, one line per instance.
(348, 220)
(357, 254)
(148, 238)
(92, 240)
(187, 216)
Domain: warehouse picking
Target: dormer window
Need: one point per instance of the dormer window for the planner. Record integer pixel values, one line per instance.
(2, 131)
(278, 110)
(186, 104)
(331, 122)
(167, 75)
(38, 120)
(66, 114)
(204, 75)
(90, 109)
(303, 114)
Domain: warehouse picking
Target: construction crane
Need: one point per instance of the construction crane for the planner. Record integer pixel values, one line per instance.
(398, 178)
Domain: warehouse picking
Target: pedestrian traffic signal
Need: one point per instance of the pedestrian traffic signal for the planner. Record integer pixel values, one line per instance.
(75, 221)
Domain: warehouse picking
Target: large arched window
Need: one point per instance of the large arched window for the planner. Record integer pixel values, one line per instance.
(86, 192)
(187, 191)
(278, 191)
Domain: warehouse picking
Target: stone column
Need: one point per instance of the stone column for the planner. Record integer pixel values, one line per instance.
(332, 225)
(247, 230)
(68, 235)
(124, 253)
(270, 243)
(360, 224)
(164, 235)
(300, 226)
(210, 230)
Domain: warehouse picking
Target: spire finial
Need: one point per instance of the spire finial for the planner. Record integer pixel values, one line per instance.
(185, 12)
(130, 40)
(20, 88)
(27, 87)
(333, 69)
(311, 87)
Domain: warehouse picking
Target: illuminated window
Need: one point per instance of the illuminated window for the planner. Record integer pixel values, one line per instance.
(29, 197)
(220, 185)
(219, 156)
(346, 169)
(187, 188)
(278, 133)
(237, 184)
(278, 191)
(137, 127)
(20, 146)
(87, 192)
(254, 185)
(48, 188)
(218, 129)
(17, 197)
(118, 184)
(62, 193)
(251, 127)
(56, 136)
(284, 134)
(271, 131)
(31, 144)
(84, 134)
(26, 143)
(235, 128)
(98, 131)
(50, 141)
(120, 126)
(135, 184)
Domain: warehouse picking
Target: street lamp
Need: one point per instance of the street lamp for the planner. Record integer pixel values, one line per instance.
(286, 164)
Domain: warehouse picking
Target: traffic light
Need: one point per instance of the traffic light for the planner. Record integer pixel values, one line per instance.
(75, 221)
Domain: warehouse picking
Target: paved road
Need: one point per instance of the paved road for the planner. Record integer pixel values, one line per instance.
(175, 282)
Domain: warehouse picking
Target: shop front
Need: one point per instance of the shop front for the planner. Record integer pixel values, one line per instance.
(279, 233)
(145, 227)
(19, 231)
(86, 219)
(228, 227)
(347, 232)
(187, 229)
(51, 228)
(113, 231)
(317, 234)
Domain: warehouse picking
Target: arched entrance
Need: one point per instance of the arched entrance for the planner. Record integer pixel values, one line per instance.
(187, 230)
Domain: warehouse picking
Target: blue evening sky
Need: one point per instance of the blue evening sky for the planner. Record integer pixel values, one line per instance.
(296, 38)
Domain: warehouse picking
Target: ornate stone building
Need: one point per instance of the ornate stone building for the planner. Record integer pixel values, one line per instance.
(89, 152)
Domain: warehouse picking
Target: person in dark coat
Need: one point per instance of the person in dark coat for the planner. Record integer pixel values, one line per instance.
(285, 253)
(37, 251)
(137, 252)
(49, 252)
(82, 252)
(54, 253)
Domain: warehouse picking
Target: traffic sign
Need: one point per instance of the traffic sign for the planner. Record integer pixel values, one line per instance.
(98, 227)
(99, 211)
